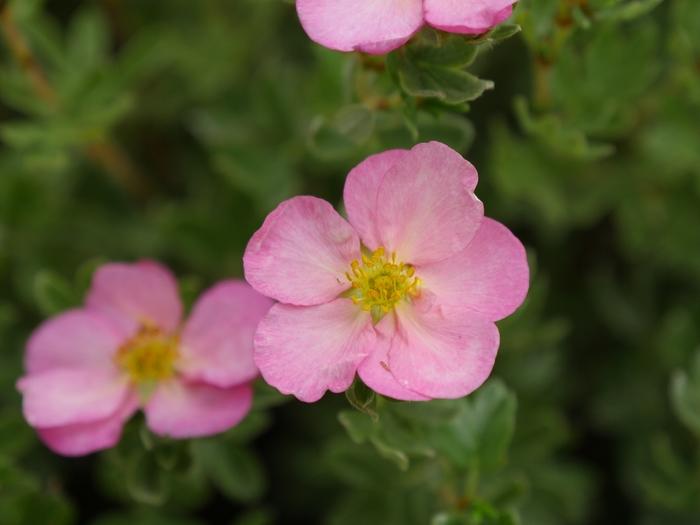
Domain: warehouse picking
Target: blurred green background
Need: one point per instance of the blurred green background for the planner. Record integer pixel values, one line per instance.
(169, 128)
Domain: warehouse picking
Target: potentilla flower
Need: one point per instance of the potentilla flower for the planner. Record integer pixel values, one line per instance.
(405, 292)
(89, 369)
(378, 26)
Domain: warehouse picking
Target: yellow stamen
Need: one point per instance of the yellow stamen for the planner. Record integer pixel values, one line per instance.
(379, 283)
(149, 356)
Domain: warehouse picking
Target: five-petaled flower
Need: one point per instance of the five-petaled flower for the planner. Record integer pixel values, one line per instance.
(89, 369)
(406, 293)
(378, 26)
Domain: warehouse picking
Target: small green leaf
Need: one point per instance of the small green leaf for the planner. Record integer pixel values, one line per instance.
(84, 273)
(234, 470)
(267, 178)
(359, 427)
(557, 135)
(350, 127)
(53, 293)
(88, 38)
(24, 10)
(503, 31)
(480, 433)
(362, 398)
(449, 85)
(685, 395)
(399, 457)
(394, 436)
(446, 51)
(144, 480)
(433, 66)
(479, 513)
(15, 434)
(628, 10)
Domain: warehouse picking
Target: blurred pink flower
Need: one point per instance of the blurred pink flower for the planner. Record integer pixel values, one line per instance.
(406, 293)
(378, 26)
(90, 369)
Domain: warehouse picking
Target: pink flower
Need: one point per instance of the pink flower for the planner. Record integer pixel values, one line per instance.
(378, 26)
(90, 369)
(406, 293)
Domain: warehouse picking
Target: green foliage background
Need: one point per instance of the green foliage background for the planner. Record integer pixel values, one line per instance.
(169, 128)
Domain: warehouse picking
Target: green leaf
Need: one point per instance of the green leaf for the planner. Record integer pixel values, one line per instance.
(597, 85)
(454, 130)
(234, 470)
(173, 456)
(359, 427)
(503, 31)
(88, 39)
(685, 395)
(396, 437)
(351, 127)
(362, 398)
(665, 475)
(15, 434)
(480, 433)
(144, 480)
(472, 519)
(478, 513)
(561, 138)
(24, 501)
(551, 192)
(53, 293)
(16, 91)
(25, 10)
(397, 456)
(628, 10)
(433, 66)
(443, 50)
(449, 85)
(267, 178)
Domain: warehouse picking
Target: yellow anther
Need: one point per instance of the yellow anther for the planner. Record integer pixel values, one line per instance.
(378, 284)
(149, 356)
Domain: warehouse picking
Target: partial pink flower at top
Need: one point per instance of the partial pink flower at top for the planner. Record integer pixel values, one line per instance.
(89, 369)
(378, 26)
(405, 292)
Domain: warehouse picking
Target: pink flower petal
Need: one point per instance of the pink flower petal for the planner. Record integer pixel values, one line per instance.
(217, 341)
(84, 438)
(134, 294)
(73, 339)
(490, 276)
(301, 253)
(365, 25)
(471, 18)
(360, 194)
(68, 396)
(441, 356)
(183, 410)
(307, 350)
(426, 207)
(374, 370)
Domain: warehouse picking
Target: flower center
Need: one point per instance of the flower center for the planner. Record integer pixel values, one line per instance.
(379, 282)
(149, 356)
